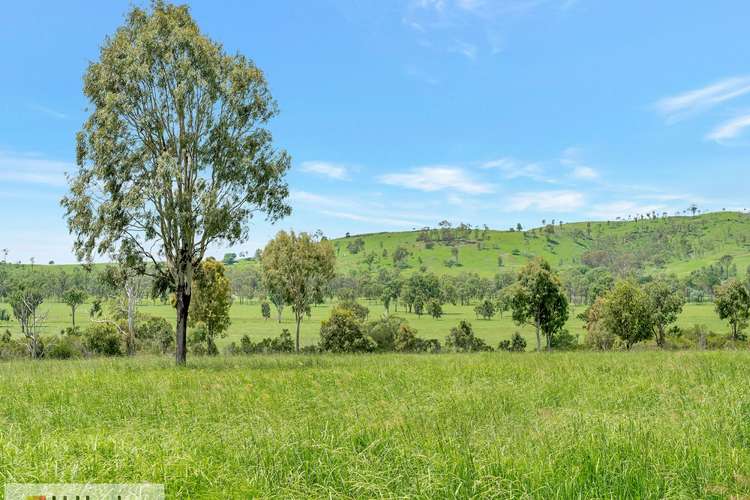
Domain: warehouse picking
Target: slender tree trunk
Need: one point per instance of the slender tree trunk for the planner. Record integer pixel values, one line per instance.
(73, 311)
(538, 338)
(660, 337)
(182, 295)
(299, 320)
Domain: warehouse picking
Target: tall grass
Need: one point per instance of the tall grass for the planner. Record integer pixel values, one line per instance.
(584, 425)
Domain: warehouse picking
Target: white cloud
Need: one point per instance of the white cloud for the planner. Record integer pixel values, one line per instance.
(623, 209)
(468, 50)
(327, 169)
(382, 221)
(557, 201)
(48, 111)
(31, 168)
(571, 158)
(437, 178)
(729, 129)
(514, 169)
(682, 105)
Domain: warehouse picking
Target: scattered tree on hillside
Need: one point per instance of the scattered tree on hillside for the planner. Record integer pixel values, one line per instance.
(173, 156)
(298, 268)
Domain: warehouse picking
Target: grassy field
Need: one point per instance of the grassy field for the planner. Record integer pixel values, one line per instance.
(247, 320)
(566, 425)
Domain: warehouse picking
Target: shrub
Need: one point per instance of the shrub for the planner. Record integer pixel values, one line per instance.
(282, 343)
(102, 338)
(343, 332)
(71, 331)
(265, 309)
(516, 344)
(360, 312)
(462, 339)
(4, 316)
(563, 340)
(406, 340)
(434, 308)
(157, 332)
(384, 331)
(64, 347)
(485, 309)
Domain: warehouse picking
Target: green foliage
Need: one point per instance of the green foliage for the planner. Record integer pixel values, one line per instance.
(462, 339)
(434, 308)
(64, 347)
(212, 299)
(74, 297)
(358, 310)
(265, 309)
(343, 332)
(175, 154)
(627, 314)
(733, 304)
(384, 331)
(157, 332)
(282, 343)
(485, 309)
(229, 258)
(666, 303)
(516, 344)
(102, 339)
(538, 299)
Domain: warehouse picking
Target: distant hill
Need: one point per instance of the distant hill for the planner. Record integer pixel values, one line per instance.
(678, 244)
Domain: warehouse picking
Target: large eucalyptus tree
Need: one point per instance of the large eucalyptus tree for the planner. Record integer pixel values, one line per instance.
(174, 155)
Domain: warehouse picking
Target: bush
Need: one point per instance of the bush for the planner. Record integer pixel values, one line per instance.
(4, 316)
(485, 309)
(64, 347)
(282, 343)
(434, 308)
(71, 331)
(406, 340)
(103, 339)
(157, 332)
(564, 340)
(11, 348)
(516, 344)
(383, 331)
(462, 339)
(343, 332)
(360, 312)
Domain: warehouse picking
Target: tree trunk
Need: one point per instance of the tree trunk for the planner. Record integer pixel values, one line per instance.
(660, 337)
(538, 338)
(182, 295)
(299, 320)
(73, 311)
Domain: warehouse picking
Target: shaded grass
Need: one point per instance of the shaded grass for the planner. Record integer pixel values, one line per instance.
(586, 425)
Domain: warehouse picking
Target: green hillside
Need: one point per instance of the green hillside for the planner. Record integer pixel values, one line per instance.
(670, 244)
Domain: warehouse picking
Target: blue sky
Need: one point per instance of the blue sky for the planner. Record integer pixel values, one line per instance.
(399, 114)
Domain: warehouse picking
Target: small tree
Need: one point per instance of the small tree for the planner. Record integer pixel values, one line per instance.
(516, 344)
(212, 299)
(74, 298)
(732, 301)
(434, 308)
(538, 299)
(485, 309)
(25, 305)
(462, 339)
(297, 268)
(627, 313)
(265, 310)
(666, 305)
(343, 332)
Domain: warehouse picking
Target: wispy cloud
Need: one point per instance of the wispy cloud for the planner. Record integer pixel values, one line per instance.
(48, 111)
(327, 169)
(437, 178)
(468, 50)
(571, 158)
(680, 106)
(417, 73)
(514, 169)
(31, 168)
(552, 201)
(729, 129)
(381, 221)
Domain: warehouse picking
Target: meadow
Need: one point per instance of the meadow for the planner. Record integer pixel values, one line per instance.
(247, 320)
(492, 425)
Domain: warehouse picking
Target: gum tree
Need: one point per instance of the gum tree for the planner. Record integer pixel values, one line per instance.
(174, 155)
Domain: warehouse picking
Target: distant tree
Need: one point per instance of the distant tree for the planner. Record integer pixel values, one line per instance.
(174, 156)
(499, 261)
(434, 308)
(732, 301)
(665, 302)
(399, 256)
(462, 339)
(298, 268)
(693, 208)
(538, 299)
(25, 304)
(485, 309)
(229, 258)
(265, 310)
(212, 299)
(73, 298)
(516, 344)
(519, 227)
(627, 313)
